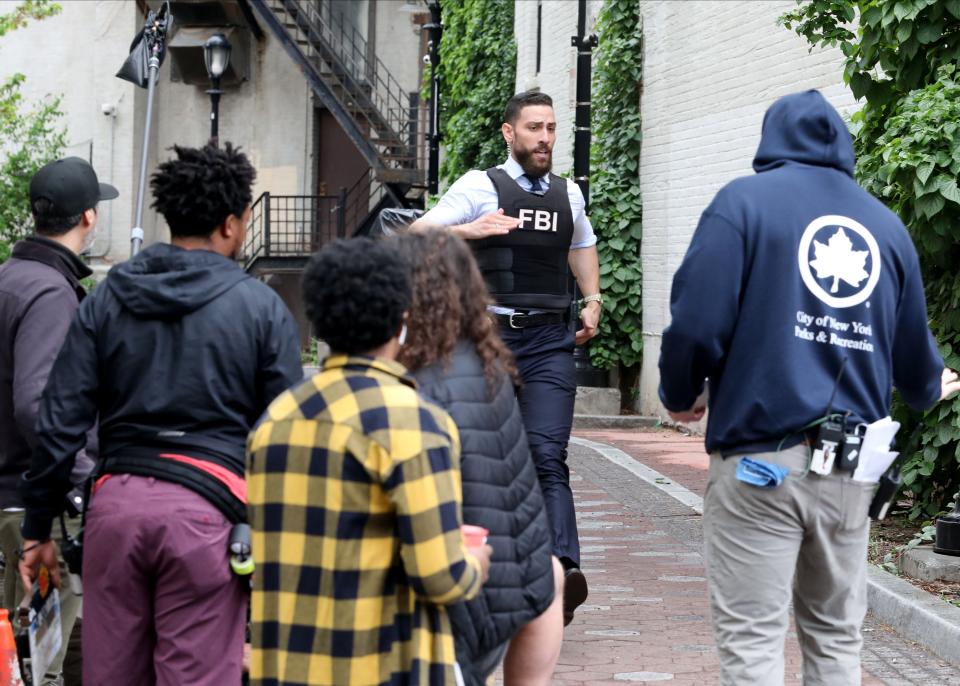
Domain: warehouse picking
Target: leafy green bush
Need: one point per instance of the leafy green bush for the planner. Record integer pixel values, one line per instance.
(30, 136)
(901, 58)
(477, 74)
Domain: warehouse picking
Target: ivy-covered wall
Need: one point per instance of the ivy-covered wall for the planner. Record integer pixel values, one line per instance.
(477, 72)
(615, 207)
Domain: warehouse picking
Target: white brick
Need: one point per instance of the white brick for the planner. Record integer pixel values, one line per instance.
(558, 63)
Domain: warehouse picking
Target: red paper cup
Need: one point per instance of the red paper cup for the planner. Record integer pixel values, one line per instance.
(474, 536)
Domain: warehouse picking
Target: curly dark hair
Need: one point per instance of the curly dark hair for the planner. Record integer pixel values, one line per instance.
(356, 292)
(450, 302)
(202, 187)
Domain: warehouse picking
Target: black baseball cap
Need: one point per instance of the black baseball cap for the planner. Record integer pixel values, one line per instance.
(70, 185)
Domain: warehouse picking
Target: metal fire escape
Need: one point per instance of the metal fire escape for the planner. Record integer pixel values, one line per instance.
(375, 113)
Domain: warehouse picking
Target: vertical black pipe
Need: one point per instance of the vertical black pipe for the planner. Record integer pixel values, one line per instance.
(586, 374)
(435, 30)
(581, 137)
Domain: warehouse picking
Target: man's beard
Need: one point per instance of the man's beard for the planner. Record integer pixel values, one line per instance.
(530, 166)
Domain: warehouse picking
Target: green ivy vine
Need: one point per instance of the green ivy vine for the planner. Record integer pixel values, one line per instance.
(477, 71)
(901, 58)
(615, 203)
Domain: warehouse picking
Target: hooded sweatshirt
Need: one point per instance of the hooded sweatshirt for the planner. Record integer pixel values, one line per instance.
(180, 352)
(793, 274)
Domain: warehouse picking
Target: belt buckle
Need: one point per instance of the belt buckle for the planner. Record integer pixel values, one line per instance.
(510, 319)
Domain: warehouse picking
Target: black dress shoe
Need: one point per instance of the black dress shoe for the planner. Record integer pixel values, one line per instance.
(574, 592)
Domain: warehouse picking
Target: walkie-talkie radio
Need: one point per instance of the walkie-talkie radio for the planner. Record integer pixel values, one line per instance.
(829, 446)
(831, 437)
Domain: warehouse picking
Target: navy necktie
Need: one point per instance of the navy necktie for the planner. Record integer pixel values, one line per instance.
(535, 186)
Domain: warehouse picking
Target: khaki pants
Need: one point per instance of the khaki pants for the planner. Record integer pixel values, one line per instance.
(70, 603)
(807, 539)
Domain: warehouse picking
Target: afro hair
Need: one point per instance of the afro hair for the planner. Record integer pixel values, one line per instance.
(356, 292)
(196, 192)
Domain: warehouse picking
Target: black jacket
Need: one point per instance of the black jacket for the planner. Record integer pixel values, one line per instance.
(178, 351)
(39, 294)
(500, 492)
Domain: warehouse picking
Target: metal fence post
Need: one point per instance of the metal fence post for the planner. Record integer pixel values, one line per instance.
(342, 213)
(266, 224)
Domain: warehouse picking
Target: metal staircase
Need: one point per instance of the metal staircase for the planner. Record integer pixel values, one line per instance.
(377, 116)
(356, 87)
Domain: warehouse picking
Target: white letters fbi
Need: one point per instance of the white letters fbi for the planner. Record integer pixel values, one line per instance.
(543, 220)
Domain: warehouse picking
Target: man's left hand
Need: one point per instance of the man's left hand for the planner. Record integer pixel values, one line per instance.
(35, 554)
(694, 414)
(590, 315)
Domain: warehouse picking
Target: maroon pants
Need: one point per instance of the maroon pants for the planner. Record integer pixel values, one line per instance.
(161, 605)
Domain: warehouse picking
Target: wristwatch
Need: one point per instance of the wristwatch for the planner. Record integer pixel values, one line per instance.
(595, 298)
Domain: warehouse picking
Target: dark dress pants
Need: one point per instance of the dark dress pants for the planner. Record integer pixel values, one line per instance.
(544, 356)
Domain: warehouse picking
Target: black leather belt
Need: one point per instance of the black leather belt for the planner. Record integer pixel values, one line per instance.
(519, 320)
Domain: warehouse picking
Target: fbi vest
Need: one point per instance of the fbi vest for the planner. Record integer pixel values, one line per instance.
(527, 268)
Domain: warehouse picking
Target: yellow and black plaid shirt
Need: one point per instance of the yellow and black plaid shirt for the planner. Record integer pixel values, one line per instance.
(354, 497)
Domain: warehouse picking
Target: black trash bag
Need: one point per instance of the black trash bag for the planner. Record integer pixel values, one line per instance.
(153, 35)
(393, 220)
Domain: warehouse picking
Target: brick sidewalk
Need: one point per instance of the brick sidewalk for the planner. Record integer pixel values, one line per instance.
(648, 617)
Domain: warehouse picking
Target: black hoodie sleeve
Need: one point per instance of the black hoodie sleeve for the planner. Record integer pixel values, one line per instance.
(704, 303)
(67, 411)
(280, 366)
(917, 364)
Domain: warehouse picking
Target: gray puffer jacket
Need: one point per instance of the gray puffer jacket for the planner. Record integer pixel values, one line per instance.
(501, 493)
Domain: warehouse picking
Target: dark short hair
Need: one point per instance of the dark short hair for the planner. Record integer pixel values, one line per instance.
(47, 224)
(525, 99)
(355, 292)
(196, 192)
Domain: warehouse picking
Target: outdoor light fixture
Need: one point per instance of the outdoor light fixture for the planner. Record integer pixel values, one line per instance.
(216, 55)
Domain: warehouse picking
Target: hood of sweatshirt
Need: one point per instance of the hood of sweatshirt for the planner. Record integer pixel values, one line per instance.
(804, 128)
(165, 281)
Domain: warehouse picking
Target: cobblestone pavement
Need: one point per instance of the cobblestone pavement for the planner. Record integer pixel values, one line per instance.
(647, 618)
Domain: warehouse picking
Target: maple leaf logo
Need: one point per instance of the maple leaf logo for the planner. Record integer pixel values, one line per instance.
(838, 259)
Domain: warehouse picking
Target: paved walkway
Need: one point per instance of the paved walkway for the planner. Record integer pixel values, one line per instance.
(647, 618)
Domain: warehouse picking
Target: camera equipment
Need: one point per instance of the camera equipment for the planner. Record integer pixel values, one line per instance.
(241, 560)
(142, 67)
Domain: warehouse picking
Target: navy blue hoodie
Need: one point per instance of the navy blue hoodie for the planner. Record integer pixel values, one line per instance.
(790, 271)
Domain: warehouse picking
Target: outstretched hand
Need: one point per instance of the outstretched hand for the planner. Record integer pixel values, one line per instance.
(493, 224)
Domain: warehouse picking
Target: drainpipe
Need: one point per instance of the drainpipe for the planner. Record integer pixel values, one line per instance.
(581, 137)
(586, 373)
(435, 31)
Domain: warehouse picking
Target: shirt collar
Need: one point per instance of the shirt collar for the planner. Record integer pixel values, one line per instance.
(515, 171)
(363, 364)
(52, 254)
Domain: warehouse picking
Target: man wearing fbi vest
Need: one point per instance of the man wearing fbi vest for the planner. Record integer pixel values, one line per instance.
(528, 229)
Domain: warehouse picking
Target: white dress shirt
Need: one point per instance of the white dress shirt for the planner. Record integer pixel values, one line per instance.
(474, 195)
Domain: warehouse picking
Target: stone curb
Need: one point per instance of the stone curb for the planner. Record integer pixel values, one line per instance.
(915, 613)
(613, 421)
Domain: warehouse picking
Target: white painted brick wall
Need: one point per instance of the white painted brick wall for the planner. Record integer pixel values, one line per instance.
(711, 69)
(558, 63)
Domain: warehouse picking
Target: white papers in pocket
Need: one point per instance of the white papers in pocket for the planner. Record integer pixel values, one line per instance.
(875, 454)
